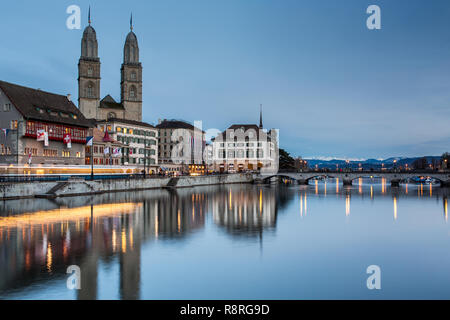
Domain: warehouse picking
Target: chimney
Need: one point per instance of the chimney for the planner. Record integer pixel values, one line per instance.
(69, 97)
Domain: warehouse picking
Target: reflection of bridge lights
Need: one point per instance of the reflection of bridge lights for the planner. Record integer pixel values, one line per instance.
(337, 185)
(260, 201)
(445, 209)
(371, 192)
(178, 220)
(325, 190)
(406, 188)
(347, 205)
(431, 190)
(317, 187)
(395, 208)
(306, 209)
(301, 205)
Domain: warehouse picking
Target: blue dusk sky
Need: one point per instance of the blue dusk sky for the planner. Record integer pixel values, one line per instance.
(332, 87)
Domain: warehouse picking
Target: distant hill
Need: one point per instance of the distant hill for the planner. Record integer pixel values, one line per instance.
(367, 164)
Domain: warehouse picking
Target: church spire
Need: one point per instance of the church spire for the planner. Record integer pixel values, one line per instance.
(131, 22)
(89, 15)
(260, 117)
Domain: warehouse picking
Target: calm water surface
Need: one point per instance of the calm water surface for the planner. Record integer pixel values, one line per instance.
(230, 242)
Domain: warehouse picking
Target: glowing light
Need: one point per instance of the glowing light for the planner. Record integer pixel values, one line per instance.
(178, 221)
(371, 192)
(67, 214)
(347, 205)
(406, 188)
(431, 190)
(260, 201)
(395, 208)
(325, 190)
(124, 241)
(337, 185)
(317, 187)
(114, 240)
(49, 257)
(445, 209)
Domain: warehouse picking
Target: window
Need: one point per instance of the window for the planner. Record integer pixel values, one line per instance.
(78, 154)
(90, 72)
(132, 92)
(50, 153)
(14, 124)
(133, 75)
(32, 151)
(7, 107)
(90, 90)
(111, 115)
(65, 154)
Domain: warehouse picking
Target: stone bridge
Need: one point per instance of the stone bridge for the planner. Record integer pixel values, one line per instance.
(347, 177)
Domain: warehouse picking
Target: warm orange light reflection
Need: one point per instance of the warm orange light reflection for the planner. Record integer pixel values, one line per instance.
(347, 205)
(395, 208)
(66, 214)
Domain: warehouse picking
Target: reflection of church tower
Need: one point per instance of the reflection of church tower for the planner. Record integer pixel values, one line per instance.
(89, 73)
(131, 78)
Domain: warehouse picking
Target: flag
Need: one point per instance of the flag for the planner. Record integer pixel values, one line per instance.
(116, 152)
(131, 151)
(106, 150)
(5, 131)
(40, 135)
(67, 140)
(89, 141)
(46, 139)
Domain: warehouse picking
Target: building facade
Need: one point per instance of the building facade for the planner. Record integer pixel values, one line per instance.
(40, 127)
(104, 149)
(139, 140)
(244, 147)
(180, 144)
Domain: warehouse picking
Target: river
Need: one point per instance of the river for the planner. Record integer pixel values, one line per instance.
(230, 242)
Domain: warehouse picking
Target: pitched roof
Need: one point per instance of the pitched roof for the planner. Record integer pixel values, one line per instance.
(126, 121)
(44, 106)
(174, 124)
(99, 136)
(109, 103)
(260, 133)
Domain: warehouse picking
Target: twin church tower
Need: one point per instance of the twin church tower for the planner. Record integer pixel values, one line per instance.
(130, 106)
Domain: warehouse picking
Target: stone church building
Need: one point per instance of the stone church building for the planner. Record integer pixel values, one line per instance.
(130, 105)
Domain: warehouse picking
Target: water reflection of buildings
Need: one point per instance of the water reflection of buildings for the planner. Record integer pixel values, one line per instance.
(40, 238)
(247, 212)
(37, 246)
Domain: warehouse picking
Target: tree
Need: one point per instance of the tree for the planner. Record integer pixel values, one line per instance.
(287, 163)
(445, 160)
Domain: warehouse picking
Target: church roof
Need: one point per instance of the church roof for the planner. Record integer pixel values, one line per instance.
(108, 102)
(127, 121)
(44, 106)
(131, 38)
(89, 32)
